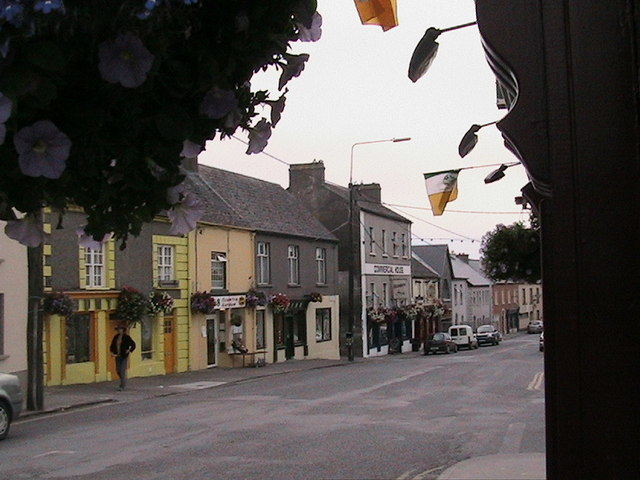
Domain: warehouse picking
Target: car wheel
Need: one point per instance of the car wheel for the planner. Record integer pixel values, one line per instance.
(448, 349)
(5, 421)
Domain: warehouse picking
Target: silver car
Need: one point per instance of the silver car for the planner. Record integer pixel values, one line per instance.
(10, 402)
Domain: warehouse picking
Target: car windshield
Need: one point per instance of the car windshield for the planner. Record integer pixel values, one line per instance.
(438, 336)
(485, 329)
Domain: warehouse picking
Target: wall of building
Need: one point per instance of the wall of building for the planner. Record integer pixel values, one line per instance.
(14, 290)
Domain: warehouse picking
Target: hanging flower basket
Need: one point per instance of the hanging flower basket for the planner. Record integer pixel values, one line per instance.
(256, 298)
(376, 315)
(279, 302)
(410, 312)
(160, 302)
(57, 303)
(132, 305)
(203, 302)
(314, 297)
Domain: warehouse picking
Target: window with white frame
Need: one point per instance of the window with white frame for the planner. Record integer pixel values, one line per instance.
(293, 259)
(323, 324)
(146, 334)
(403, 242)
(394, 243)
(263, 272)
(166, 263)
(95, 267)
(218, 271)
(372, 242)
(385, 295)
(321, 263)
(384, 242)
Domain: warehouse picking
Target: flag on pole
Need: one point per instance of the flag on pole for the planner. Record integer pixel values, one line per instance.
(442, 188)
(378, 12)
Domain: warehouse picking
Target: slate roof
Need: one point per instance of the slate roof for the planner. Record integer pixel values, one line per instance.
(436, 256)
(420, 268)
(237, 200)
(366, 205)
(463, 270)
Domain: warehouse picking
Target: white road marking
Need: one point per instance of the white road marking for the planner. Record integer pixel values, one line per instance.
(537, 383)
(197, 385)
(55, 452)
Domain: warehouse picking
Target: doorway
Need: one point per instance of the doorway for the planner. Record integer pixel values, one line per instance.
(168, 328)
(213, 334)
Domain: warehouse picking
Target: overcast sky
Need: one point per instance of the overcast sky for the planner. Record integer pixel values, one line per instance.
(355, 88)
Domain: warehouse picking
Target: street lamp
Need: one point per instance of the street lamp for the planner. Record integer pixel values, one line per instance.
(426, 50)
(499, 172)
(470, 139)
(354, 246)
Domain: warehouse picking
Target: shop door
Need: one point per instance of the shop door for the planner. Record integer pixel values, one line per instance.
(111, 362)
(289, 348)
(212, 341)
(169, 344)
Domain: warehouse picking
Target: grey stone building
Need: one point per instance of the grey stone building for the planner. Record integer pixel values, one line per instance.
(374, 253)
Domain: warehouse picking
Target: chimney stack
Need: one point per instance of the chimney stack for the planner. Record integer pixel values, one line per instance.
(302, 176)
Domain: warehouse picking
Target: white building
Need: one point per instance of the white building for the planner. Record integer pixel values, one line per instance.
(471, 299)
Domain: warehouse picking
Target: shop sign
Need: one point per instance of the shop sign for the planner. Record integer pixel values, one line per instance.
(386, 269)
(230, 301)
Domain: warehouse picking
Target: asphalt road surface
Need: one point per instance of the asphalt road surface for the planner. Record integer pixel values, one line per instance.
(403, 417)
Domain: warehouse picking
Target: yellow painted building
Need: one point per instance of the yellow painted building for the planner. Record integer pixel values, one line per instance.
(223, 265)
(76, 347)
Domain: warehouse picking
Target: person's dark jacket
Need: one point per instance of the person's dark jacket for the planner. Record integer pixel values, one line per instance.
(127, 345)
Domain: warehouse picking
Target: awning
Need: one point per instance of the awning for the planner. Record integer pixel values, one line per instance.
(298, 306)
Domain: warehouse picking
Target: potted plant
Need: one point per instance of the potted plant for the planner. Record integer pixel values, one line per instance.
(57, 303)
(132, 305)
(203, 302)
(279, 302)
(256, 298)
(314, 297)
(160, 302)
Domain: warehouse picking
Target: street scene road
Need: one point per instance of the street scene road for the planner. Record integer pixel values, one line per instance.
(405, 416)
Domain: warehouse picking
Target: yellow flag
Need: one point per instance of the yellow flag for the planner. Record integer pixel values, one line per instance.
(442, 188)
(378, 12)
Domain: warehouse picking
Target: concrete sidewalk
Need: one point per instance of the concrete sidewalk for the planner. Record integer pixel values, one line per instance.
(528, 466)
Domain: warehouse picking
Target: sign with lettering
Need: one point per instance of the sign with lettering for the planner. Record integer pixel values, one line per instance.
(230, 301)
(386, 269)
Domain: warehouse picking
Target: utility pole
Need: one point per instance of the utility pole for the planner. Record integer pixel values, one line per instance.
(35, 387)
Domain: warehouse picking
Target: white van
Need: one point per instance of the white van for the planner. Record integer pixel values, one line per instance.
(463, 336)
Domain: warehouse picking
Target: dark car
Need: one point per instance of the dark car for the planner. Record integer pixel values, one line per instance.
(440, 342)
(488, 335)
(10, 402)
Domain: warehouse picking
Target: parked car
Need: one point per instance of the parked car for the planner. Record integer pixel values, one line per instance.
(541, 342)
(488, 335)
(440, 342)
(463, 336)
(535, 326)
(10, 402)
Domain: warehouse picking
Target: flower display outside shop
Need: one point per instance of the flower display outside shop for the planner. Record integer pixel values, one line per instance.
(57, 303)
(410, 312)
(99, 100)
(376, 315)
(315, 297)
(203, 302)
(160, 302)
(132, 305)
(256, 298)
(279, 302)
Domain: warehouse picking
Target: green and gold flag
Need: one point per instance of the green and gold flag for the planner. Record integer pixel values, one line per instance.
(442, 188)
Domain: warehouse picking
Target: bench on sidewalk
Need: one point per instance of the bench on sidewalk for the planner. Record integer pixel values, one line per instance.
(249, 358)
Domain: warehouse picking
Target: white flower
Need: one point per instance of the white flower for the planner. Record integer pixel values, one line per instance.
(259, 137)
(293, 68)
(5, 108)
(185, 214)
(217, 103)
(313, 33)
(124, 60)
(27, 230)
(190, 149)
(42, 149)
(87, 241)
(277, 107)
